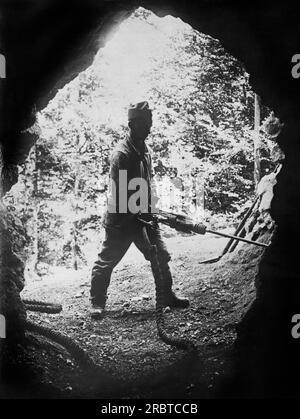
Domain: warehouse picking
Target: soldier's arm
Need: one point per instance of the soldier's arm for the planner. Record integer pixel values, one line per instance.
(119, 161)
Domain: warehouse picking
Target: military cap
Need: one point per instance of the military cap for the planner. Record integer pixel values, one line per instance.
(139, 110)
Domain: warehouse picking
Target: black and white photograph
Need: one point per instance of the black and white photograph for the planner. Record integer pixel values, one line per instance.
(150, 202)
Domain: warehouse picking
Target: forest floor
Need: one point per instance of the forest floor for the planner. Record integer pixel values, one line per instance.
(134, 361)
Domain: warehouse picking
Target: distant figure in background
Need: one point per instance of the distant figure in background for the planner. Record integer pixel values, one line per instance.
(123, 228)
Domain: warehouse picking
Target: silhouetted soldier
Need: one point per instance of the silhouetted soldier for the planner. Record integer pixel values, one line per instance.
(130, 160)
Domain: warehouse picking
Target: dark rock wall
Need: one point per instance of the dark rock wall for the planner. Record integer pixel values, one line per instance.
(12, 281)
(46, 44)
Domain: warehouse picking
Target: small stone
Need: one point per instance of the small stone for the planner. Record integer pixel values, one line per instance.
(135, 299)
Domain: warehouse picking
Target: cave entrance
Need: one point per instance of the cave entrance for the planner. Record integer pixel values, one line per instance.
(204, 129)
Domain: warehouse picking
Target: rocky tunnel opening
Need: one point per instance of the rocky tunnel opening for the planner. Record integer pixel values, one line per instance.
(264, 362)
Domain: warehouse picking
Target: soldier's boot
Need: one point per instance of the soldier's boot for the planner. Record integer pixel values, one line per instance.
(177, 302)
(170, 298)
(98, 296)
(99, 285)
(97, 312)
(98, 308)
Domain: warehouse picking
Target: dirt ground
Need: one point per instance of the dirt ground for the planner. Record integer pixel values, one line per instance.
(133, 361)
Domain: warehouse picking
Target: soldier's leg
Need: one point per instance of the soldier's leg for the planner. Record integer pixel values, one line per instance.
(164, 257)
(114, 247)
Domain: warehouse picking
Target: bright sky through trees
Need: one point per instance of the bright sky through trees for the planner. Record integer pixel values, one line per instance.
(126, 66)
(137, 49)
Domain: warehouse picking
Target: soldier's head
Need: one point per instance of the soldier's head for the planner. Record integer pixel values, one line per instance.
(140, 120)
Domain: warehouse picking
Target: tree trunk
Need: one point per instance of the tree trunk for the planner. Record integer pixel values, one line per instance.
(74, 232)
(36, 204)
(257, 173)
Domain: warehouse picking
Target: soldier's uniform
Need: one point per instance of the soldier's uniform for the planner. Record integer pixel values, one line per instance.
(122, 229)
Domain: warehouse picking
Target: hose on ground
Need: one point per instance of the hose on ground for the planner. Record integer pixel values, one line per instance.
(42, 306)
(79, 354)
(179, 342)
